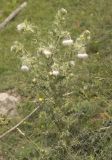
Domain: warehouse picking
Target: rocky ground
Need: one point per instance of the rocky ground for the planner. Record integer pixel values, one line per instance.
(8, 105)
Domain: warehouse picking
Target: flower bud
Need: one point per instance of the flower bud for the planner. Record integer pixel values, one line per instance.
(47, 53)
(72, 63)
(24, 68)
(21, 26)
(63, 11)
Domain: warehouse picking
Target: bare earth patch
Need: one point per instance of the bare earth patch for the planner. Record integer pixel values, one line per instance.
(8, 104)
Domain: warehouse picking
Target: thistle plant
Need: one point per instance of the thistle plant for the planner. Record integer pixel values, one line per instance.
(54, 66)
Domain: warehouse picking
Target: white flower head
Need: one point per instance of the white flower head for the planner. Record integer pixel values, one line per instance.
(47, 52)
(21, 26)
(54, 73)
(34, 80)
(24, 68)
(82, 55)
(12, 48)
(67, 42)
(63, 11)
(72, 63)
(25, 26)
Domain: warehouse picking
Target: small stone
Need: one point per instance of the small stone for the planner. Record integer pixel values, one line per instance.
(8, 105)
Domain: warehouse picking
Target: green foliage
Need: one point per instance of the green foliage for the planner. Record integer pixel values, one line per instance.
(76, 107)
(53, 68)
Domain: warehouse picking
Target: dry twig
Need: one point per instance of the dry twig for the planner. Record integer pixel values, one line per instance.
(17, 125)
(12, 15)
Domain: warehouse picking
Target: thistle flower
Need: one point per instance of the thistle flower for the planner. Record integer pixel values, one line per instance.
(72, 63)
(67, 42)
(82, 55)
(24, 68)
(63, 11)
(54, 73)
(41, 99)
(12, 48)
(25, 26)
(21, 26)
(47, 52)
(34, 80)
